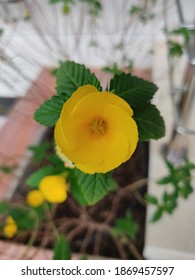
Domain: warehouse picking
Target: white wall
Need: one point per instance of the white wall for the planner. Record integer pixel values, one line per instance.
(50, 36)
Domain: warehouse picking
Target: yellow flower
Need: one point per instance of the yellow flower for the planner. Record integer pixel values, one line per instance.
(35, 198)
(54, 188)
(96, 130)
(10, 228)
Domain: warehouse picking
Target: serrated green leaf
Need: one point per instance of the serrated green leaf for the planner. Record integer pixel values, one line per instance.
(49, 112)
(75, 188)
(151, 199)
(135, 91)
(62, 249)
(150, 123)
(35, 178)
(95, 186)
(72, 75)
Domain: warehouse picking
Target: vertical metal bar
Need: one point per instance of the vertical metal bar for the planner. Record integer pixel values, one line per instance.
(180, 11)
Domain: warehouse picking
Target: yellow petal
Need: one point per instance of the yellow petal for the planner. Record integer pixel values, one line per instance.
(111, 98)
(60, 138)
(72, 102)
(116, 145)
(10, 228)
(34, 198)
(54, 188)
(96, 130)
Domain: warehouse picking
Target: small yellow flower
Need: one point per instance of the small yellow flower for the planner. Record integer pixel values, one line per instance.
(54, 188)
(35, 198)
(10, 228)
(96, 130)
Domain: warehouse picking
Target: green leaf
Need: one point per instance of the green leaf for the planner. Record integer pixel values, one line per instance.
(62, 249)
(35, 178)
(175, 49)
(39, 151)
(24, 219)
(57, 162)
(95, 186)
(170, 206)
(3, 207)
(150, 123)
(157, 215)
(66, 9)
(135, 91)
(49, 112)
(186, 191)
(170, 166)
(167, 197)
(126, 226)
(165, 180)
(72, 75)
(185, 32)
(151, 199)
(114, 69)
(76, 188)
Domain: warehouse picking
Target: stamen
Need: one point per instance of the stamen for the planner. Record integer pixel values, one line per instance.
(97, 127)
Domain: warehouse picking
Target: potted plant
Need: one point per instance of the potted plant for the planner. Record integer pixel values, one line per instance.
(96, 132)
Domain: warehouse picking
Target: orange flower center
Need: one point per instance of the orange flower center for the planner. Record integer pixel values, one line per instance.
(97, 127)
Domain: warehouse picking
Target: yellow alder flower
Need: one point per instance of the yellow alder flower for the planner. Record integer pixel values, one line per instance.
(34, 198)
(96, 130)
(54, 188)
(10, 228)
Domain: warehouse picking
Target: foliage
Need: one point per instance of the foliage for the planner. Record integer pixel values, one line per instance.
(179, 178)
(35, 178)
(135, 91)
(176, 49)
(143, 11)
(62, 249)
(134, 96)
(94, 186)
(94, 6)
(39, 151)
(125, 226)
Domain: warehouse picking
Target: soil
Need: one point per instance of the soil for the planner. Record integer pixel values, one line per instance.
(88, 230)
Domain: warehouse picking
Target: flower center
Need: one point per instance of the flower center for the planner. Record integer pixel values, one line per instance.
(97, 127)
